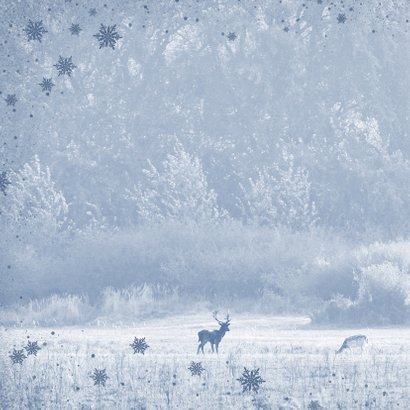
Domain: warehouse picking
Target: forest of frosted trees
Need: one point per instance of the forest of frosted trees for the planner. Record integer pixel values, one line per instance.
(254, 155)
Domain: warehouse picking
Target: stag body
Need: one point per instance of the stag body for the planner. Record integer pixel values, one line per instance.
(214, 337)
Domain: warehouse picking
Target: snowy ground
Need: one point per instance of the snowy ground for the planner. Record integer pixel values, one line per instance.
(298, 364)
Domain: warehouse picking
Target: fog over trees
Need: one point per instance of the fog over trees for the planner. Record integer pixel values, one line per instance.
(252, 155)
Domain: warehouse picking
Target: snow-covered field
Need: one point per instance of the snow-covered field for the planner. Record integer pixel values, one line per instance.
(297, 363)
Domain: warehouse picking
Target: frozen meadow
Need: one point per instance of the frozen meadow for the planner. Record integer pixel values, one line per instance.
(181, 156)
(297, 363)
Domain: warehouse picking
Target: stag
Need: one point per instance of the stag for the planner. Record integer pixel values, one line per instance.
(213, 336)
(353, 341)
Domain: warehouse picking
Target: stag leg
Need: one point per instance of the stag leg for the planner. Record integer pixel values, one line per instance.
(217, 345)
(212, 345)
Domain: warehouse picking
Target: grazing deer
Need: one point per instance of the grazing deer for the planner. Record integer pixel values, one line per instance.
(215, 336)
(353, 341)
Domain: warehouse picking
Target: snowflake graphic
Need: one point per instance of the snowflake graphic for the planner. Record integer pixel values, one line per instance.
(99, 377)
(75, 29)
(17, 356)
(232, 36)
(35, 30)
(139, 345)
(11, 99)
(92, 12)
(65, 66)
(47, 84)
(107, 36)
(341, 18)
(315, 405)
(32, 348)
(4, 181)
(250, 380)
(196, 368)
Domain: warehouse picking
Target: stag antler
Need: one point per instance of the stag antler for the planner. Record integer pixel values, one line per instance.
(214, 314)
(227, 319)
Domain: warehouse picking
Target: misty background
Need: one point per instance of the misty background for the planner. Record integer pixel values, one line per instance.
(225, 154)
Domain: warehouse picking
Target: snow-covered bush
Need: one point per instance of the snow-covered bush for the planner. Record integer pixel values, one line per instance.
(381, 297)
(126, 305)
(228, 259)
(141, 301)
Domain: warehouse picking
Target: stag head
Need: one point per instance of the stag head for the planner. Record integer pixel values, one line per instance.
(224, 324)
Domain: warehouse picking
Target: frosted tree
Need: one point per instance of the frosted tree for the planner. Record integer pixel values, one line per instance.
(296, 208)
(359, 141)
(367, 172)
(279, 196)
(258, 200)
(32, 200)
(177, 192)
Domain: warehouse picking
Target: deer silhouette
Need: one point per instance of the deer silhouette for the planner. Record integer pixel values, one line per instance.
(213, 336)
(353, 341)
